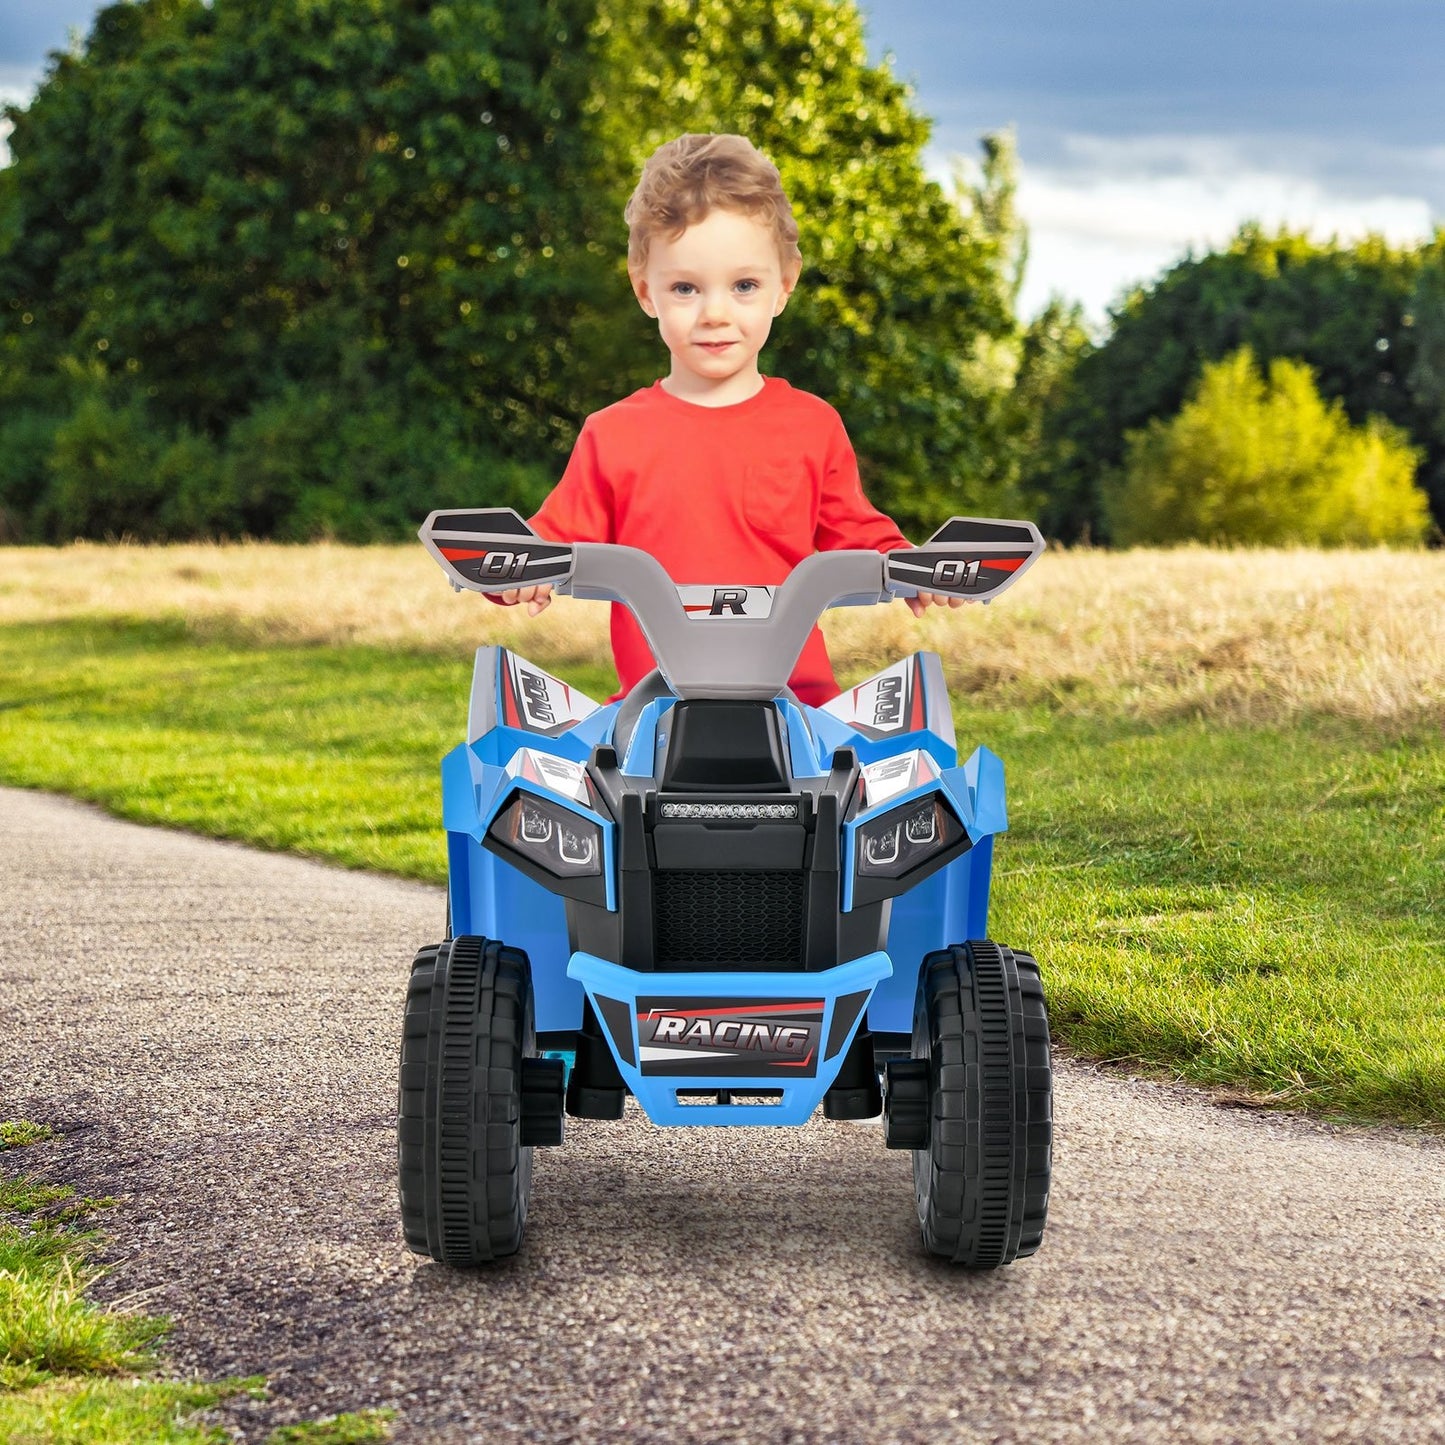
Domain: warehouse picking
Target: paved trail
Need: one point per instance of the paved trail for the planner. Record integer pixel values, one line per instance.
(215, 1030)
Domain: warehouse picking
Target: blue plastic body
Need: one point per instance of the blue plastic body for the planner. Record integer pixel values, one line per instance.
(490, 897)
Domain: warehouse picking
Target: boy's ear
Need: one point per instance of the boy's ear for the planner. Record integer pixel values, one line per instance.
(643, 294)
(790, 280)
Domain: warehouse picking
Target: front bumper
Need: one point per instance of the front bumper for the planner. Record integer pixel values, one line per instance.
(744, 1032)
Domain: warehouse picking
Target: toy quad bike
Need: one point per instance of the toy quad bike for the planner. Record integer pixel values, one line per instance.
(727, 904)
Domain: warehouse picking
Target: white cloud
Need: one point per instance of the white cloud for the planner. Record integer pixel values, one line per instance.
(10, 94)
(1110, 213)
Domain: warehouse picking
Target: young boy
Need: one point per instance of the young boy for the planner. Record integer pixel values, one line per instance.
(722, 474)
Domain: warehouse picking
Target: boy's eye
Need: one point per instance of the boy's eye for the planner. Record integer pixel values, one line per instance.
(683, 288)
(747, 287)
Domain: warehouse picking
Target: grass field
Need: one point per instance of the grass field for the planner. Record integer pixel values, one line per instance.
(1226, 771)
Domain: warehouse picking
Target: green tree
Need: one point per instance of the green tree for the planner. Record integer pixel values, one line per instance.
(1342, 310)
(1250, 459)
(1424, 320)
(900, 311)
(1050, 348)
(362, 206)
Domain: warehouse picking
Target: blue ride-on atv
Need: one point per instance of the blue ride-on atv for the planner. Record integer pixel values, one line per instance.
(727, 904)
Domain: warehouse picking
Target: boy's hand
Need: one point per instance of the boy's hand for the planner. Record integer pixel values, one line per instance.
(916, 605)
(536, 598)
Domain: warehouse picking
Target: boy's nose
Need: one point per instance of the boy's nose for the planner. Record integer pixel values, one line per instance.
(714, 308)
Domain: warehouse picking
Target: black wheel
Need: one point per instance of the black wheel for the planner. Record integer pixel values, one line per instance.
(981, 1058)
(465, 1174)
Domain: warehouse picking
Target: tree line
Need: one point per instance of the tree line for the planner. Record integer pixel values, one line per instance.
(293, 270)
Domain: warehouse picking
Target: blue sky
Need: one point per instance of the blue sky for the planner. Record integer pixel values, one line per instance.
(1144, 127)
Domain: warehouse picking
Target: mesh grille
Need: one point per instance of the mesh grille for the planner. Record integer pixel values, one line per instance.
(728, 917)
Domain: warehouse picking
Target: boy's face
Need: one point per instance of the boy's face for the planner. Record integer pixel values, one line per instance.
(714, 291)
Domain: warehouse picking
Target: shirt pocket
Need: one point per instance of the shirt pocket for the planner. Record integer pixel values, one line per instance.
(779, 502)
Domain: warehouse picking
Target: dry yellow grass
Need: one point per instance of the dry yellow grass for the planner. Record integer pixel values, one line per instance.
(1249, 635)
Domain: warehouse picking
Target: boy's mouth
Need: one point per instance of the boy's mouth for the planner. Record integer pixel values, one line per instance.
(716, 345)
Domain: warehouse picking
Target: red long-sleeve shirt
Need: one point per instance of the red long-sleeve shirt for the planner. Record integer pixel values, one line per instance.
(719, 495)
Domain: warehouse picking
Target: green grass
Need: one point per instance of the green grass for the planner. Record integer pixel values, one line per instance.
(1258, 908)
(88, 1411)
(362, 1428)
(48, 1327)
(70, 1369)
(17, 1133)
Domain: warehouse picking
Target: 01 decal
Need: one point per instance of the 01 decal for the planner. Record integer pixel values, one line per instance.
(774, 1038)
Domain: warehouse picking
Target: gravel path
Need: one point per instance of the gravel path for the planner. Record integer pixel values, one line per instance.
(214, 1030)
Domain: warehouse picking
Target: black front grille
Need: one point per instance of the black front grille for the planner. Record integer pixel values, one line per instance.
(735, 918)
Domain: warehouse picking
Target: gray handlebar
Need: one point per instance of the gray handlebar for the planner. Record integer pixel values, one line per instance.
(746, 656)
(751, 636)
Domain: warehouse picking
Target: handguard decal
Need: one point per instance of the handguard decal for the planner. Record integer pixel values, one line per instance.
(492, 551)
(498, 568)
(971, 557)
(933, 571)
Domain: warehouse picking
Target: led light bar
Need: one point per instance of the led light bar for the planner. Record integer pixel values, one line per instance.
(767, 812)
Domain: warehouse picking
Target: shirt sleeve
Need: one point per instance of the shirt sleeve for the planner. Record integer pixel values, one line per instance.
(579, 508)
(846, 518)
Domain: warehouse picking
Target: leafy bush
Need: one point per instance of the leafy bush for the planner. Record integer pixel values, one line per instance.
(1265, 460)
(102, 467)
(27, 435)
(311, 464)
(1361, 316)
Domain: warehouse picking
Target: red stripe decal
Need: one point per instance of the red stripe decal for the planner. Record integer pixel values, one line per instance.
(463, 554)
(509, 699)
(1004, 564)
(915, 719)
(795, 1063)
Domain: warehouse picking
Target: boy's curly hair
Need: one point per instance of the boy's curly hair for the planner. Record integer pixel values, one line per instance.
(688, 177)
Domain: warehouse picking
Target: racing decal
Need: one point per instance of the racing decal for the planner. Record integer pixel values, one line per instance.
(775, 1038)
(889, 702)
(558, 775)
(538, 702)
(891, 776)
(704, 604)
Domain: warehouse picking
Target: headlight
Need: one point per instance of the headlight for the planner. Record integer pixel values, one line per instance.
(899, 840)
(553, 837)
